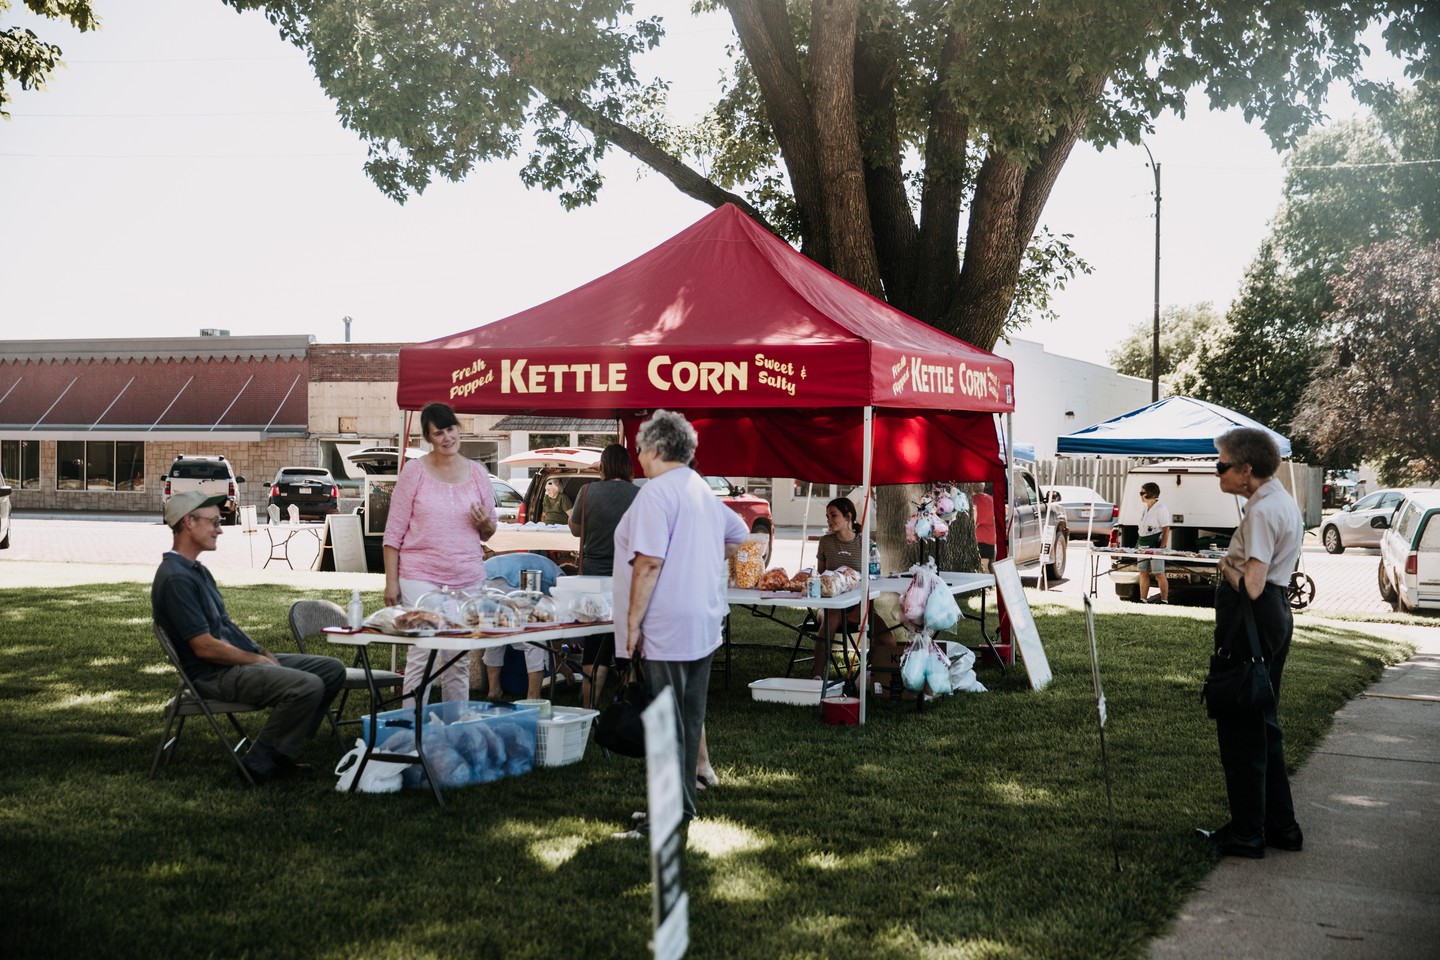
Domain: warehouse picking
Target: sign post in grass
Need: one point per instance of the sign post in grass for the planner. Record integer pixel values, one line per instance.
(1101, 715)
(664, 797)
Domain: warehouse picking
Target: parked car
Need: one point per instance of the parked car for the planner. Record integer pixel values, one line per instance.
(1039, 538)
(507, 500)
(1086, 512)
(1409, 575)
(312, 490)
(1338, 489)
(4, 513)
(575, 467)
(1351, 526)
(208, 474)
(380, 461)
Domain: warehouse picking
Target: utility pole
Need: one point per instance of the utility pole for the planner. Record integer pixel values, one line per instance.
(1155, 337)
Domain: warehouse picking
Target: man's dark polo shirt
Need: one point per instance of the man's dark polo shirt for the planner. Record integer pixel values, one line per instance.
(186, 603)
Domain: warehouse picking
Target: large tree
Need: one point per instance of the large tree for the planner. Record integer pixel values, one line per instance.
(1377, 391)
(1257, 359)
(28, 60)
(908, 146)
(1347, 185)
(1182, 329)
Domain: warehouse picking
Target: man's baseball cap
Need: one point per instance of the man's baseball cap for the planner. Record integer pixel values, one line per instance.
(187, 503)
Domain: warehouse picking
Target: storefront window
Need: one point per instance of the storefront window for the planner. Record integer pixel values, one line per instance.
(99, 465)
(601, 440)
(20, 463)
(130, 466)
(541, 440)
(70, 465)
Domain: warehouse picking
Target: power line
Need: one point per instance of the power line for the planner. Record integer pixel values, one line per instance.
(1360, 166)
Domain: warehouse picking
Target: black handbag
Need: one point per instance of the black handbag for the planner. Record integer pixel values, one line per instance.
(621, 728)
(1238, 685)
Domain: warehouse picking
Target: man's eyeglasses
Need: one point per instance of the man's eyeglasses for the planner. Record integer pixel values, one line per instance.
(215, 522)
(1221, 466)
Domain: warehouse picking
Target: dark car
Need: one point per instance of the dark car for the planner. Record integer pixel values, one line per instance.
(310, 489)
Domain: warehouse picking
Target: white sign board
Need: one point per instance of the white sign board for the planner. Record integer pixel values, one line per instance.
(666, 803)
(1094, 660)
(1022, 624)
(346, 542)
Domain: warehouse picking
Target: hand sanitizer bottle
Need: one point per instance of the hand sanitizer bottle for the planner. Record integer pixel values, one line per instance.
(357, 610)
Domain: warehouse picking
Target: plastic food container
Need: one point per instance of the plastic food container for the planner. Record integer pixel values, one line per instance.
(801, 693)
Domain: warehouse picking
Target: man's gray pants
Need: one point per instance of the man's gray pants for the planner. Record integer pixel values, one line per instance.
(298, 692)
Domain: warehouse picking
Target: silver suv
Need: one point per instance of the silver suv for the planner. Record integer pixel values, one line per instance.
(210, 475)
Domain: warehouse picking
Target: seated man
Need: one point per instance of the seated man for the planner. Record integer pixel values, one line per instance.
(222, 661)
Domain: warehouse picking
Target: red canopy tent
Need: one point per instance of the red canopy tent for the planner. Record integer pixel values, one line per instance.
(785, 369)
(775, 360)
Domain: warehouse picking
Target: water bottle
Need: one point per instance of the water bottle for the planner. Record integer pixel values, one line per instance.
(357, 610)
(874, 560)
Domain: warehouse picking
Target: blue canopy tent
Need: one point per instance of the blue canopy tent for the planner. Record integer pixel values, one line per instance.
(1173, 427)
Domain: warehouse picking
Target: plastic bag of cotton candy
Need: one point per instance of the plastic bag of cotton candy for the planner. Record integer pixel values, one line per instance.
(476, 746)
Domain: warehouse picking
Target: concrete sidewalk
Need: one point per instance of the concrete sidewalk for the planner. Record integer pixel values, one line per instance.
(1367, 884)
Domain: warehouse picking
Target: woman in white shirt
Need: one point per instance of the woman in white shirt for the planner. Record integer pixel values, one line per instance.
(1154, 533)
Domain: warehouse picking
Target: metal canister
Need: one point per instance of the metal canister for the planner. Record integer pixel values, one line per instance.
(530, 580)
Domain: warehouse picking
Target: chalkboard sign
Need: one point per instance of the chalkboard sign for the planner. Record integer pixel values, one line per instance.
(1022, 623)
(343, 548)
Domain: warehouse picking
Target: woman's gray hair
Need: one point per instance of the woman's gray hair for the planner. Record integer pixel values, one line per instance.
(1253, 446)
(668, 435)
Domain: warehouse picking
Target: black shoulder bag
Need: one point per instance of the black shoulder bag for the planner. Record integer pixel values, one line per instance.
(621, 729)
(1238, 685)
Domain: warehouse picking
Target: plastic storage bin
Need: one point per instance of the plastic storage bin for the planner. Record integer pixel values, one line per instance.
(466, 742)
(797, 691)
(561, 739)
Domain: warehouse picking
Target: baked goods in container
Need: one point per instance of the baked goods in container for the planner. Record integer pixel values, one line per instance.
(412, 620)
(773, 579)
(798, 581)
(838, 581)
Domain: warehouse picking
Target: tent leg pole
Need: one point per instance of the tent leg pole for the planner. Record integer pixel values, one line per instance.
(868, 439)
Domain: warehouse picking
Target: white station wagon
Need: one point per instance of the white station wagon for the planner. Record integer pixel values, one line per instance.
(1410, 552)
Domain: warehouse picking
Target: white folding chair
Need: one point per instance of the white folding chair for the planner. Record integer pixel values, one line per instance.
(187, 702)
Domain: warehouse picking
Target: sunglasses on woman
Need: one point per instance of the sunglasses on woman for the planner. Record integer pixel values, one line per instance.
(1221, 466)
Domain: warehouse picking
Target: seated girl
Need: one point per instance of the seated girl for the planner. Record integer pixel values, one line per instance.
(842, 547)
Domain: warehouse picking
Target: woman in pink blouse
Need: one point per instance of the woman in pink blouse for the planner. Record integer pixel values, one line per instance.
(441, 512)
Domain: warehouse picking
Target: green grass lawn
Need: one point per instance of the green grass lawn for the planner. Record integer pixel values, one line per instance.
(976, 828)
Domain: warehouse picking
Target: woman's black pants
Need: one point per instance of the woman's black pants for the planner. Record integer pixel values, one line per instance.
(1252, 752)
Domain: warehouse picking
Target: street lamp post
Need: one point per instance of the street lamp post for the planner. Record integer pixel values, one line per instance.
(1155, 337)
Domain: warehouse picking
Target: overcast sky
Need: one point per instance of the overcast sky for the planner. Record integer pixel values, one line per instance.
(185, 171)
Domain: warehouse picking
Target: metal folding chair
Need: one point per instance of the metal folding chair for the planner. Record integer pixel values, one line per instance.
(307, 619)
(187, 702)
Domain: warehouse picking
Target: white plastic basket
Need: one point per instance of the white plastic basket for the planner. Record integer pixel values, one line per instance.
(561, 738)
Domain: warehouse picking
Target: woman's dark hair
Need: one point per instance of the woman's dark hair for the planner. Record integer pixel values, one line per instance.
(1151, 490)
(615, 463)
(846, 508)
(437, 416)
(1253, 446)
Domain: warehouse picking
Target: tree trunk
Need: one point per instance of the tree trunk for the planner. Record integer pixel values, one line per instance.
(842, 167)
